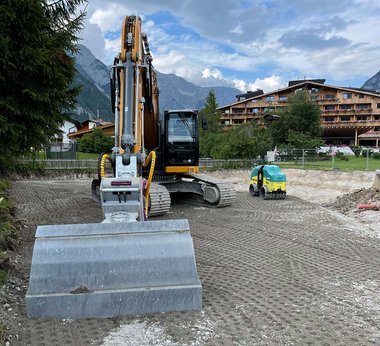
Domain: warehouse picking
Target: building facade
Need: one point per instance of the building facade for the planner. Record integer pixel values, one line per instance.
(88, 126)
(348, 115)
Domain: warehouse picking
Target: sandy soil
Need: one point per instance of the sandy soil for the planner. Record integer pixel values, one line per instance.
(299, 271)
(314, 186)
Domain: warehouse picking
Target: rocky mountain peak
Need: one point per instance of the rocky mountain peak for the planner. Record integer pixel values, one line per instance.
(373, 83)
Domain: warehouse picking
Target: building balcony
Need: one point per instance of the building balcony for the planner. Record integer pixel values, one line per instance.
(323, 99)
(369, 122)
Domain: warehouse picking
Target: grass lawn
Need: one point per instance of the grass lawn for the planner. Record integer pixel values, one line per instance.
(353, 164)
(89, 156)
(80, 156)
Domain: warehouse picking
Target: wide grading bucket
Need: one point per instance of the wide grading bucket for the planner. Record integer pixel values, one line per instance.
(113, 269)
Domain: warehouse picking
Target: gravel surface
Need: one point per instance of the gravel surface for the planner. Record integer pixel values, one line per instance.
(294, 271)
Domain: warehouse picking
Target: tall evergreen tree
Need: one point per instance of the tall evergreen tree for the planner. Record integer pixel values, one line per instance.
(210, 112)
(208, 138)
(37, 42)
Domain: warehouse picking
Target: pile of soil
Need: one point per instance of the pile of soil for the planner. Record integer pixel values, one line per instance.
(348, 203)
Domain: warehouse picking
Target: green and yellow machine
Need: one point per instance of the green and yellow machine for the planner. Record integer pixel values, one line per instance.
(268, 182)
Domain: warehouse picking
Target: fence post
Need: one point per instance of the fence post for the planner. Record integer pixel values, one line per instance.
(303, 158)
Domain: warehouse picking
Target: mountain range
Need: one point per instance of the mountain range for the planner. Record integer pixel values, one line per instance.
(373, 83)
(175, 92)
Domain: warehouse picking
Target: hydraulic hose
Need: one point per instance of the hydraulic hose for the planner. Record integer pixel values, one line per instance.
(152, 159)
(103, 158)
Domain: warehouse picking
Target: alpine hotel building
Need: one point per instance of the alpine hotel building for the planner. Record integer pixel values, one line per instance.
(349, 116)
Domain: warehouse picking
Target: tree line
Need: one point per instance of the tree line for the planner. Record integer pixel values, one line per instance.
(298, 126)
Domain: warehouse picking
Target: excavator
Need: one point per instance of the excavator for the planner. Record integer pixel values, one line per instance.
(173, 137)
(128, 265)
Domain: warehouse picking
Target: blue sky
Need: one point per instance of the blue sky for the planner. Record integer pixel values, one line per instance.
(247, 44)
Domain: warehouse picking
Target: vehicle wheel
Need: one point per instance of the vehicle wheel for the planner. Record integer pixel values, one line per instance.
(263, 193)
(253, 190)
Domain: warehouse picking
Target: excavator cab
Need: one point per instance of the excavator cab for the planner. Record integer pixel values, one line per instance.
(180, 139)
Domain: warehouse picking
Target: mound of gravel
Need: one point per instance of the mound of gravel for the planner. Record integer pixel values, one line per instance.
(348, 202)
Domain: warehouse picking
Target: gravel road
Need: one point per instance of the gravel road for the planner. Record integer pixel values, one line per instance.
(273, 273)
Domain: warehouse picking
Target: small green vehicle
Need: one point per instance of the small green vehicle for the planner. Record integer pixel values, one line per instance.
(268, 182)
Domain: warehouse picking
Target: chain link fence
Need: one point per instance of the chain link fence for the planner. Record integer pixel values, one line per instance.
(323, 158)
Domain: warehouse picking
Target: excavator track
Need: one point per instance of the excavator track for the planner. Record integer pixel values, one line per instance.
(159, 198)
(226, 189)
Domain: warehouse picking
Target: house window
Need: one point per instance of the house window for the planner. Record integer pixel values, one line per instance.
(377, 117)
(366, 106)
(314, 90)
(269, 98)
(329, 107)
(329, 119)
(345, 107)
(345, 118)
(227, 111)
(378, 106)
(376, 128)
(255, 110)
(330, 96)
(237, 110)
(347, 95)
(314, 97)
(361, 96)
(361, 117)
(283, 99)
(268, 109)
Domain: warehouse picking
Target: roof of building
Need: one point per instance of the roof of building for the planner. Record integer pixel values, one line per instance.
(300, 84)
(295, 82)
(250, 94)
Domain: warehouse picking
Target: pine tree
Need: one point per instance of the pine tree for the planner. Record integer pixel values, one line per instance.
(37, 43)
(211, 113)
(208, 138)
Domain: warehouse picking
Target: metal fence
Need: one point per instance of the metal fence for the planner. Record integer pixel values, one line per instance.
(61, 151)
(63, 164)
(299, 158)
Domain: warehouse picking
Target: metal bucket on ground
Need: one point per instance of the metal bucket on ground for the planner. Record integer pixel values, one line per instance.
(113, 269)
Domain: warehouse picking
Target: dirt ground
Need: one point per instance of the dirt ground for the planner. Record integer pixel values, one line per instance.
(304, 270)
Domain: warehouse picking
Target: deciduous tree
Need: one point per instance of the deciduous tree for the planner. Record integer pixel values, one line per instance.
(301, 116)
(95, 142)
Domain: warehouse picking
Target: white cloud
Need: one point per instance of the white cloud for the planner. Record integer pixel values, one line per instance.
(92, 38)
(215, 73)
(237, 30)
(245, 37)
(165, 63)
(109, 18)
(267, 84)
